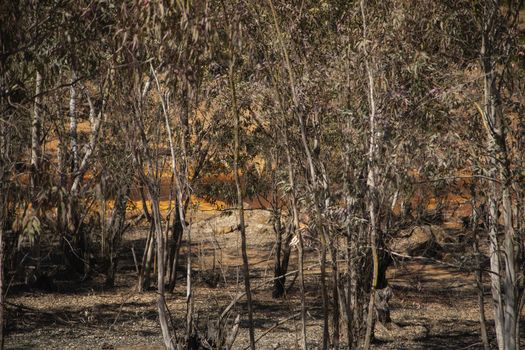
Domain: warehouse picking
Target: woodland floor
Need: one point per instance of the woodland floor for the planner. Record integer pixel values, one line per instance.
(83, 315)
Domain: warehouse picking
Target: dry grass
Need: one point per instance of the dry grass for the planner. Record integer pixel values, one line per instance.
(438, 299)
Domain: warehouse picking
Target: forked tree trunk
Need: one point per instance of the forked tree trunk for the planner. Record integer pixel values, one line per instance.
(116, 228)
(144, 203)
(144, 279)
(152, 182)
(79, 166)
(161, 301)
(182, 195)
(177, 233)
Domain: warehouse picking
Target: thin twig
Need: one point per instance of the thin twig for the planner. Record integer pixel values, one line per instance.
(262, 284)
(275, 326)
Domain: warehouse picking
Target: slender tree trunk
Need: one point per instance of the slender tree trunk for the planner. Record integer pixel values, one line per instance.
(95, 119)
(73, 232)
(73, 123)
(372, 186)
(324, 291)
(481, 303)
(346, 298)
(181, 196)
(278, 284)
(177, 238)
(100, 194)
(152, 182)
(144, 203)
(240, 205)
(335, 294)
(495, 269)
(161, 301)
(313, 179)
(4, 188)
(302, 285)
(172, 214)
(350, 287)
(2, 295)
(509, 282)
(312, 174)
(295, 229)
(72, 217)
(282, 256)
(144, 274)
(375, 261)
(115, 231)
(36, 136)
(520, 259)
(479, 272)
(490, 123)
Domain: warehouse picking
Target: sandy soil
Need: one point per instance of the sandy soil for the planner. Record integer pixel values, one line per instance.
(439, 301)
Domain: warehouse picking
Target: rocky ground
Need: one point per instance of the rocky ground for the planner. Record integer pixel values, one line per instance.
(434, 305)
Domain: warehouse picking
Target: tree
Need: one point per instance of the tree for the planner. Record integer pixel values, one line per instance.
(496, 54)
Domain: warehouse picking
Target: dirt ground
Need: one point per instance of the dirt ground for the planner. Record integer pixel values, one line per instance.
(439, 301)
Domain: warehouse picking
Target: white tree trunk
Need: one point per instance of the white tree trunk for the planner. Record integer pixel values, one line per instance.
(509, 282)
(373, 156)
(95, 118)
(36, 134)
(181, 199)
(503, 278)
(73, 125)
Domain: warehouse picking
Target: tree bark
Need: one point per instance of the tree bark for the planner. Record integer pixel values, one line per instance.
(492, 123)
(2, 295)
(296, 230)
(282, 254)
(144, 274)
(479, 272)
(115, 231)
(73, 123)
(152, 181)
(182, 195)
(312, 176)
(240, 205)
(372, 185)
(335, 294)
(36, 136)
(161, 301)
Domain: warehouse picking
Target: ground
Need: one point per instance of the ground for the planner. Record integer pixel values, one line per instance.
(439, 301)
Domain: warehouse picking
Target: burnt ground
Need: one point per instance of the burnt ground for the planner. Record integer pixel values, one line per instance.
(439, 301)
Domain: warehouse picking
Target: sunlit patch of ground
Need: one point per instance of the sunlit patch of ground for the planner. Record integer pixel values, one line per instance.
(87, 316)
